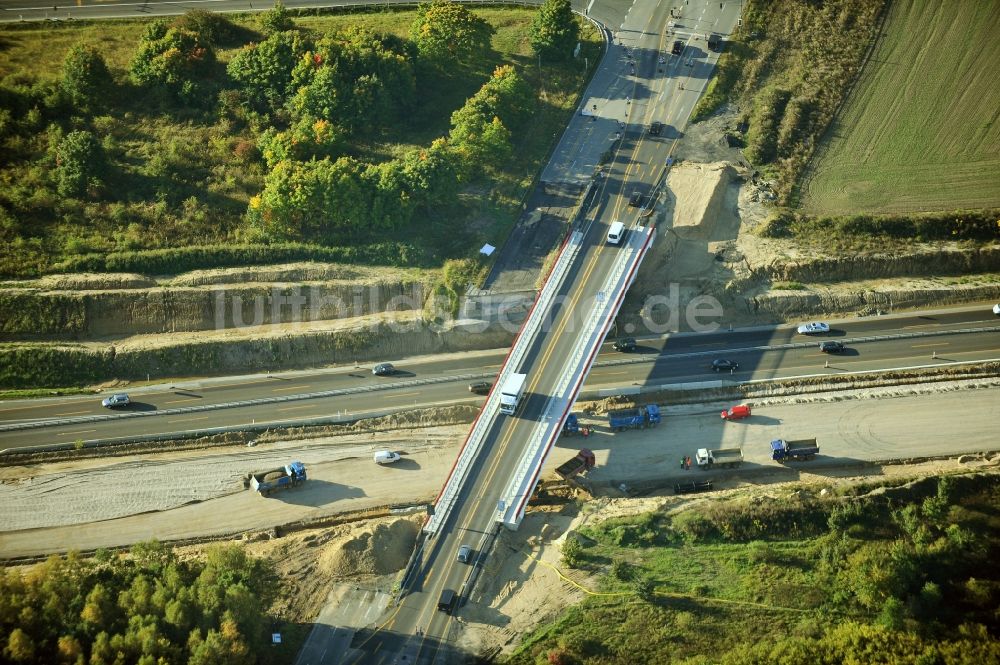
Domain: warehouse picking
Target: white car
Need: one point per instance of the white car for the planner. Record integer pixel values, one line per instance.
(996, 309)
(813, 328)
(386, 457)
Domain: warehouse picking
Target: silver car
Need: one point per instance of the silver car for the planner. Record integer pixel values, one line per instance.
(117, 400)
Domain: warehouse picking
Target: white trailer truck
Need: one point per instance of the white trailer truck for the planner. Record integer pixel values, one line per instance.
(512, 392)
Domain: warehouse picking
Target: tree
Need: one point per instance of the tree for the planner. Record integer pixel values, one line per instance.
(177, 60)
(555, 30)
(277, 19)
(85, 77)
(446, 32)
(264, 70)
(80, 164)
(20, 647)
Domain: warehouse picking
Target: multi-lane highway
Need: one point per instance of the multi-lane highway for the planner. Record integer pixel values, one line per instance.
(762, 353)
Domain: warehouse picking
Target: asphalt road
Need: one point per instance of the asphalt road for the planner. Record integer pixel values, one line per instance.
(60, 10)
(415, 628)
(658, 361)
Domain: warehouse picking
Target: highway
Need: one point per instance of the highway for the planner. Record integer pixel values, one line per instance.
(762, 353)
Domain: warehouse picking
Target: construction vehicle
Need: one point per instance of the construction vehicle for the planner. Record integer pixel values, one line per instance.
(284, 477)
(637, 418)
(719, 457)
(797, 450)
(583, 461)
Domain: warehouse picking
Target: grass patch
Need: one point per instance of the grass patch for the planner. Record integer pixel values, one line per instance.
(789, 286)
(44, 392)
(920, 131)
(663, 598)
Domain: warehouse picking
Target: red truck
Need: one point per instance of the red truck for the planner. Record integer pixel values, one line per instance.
(737, 412)
(583, 461)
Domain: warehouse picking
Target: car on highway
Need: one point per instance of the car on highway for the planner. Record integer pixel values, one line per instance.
(624, 344)
(813, 328)
(386, 457)
(446, 601)
(383, 369)
(636, 199)
(678, 47)
(480, 387)
(464, 553)
(720, 364)
(116, 401)
(831, 347)
(737, 412)
(996, 309)
(655, 128)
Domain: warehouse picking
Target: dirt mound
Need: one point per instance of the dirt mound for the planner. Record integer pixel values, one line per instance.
(294, 273)
(700, 190)
(373, 548)
(95, 282)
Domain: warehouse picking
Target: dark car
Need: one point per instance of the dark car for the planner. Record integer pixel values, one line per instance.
(831, 347)
(678, 47)
(383, 369)
(721, 364)
(635, 200)
(116, 401)
(655, 128)
(480, 387)
(625, 344)
(714, 42)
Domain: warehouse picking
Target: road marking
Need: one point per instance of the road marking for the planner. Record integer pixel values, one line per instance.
(181, 401)
(415, 392)
(290, 388)
(920, 346)
(613, 373)
(293, 408)
(185, 420)
(83, 431)
(72, 413)
(711, 344)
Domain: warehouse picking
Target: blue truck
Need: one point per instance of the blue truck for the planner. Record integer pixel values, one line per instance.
(290, 475)
(797, 450)
(638, 418)
(572, 425)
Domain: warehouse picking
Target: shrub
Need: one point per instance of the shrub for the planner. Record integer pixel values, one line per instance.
(277, 19)
(80, 164)
(86, 80)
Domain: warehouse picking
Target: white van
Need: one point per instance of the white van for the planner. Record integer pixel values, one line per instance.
(386, 457)
(616, 232)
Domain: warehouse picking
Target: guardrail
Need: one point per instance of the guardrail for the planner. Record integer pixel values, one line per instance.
(474, 441)
(510, 510)
(35, 424)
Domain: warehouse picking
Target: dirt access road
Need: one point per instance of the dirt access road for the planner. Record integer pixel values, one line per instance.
(118, 501)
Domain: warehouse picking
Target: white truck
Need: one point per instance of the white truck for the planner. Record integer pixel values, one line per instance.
(511, 393)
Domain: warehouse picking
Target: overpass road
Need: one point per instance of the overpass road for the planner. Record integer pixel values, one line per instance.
(415, 630)
(762, 353)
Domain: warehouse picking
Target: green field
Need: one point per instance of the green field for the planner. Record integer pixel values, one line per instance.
(920, 130)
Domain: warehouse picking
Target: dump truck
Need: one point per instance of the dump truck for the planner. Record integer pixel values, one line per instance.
(718, 457)
(511, 393)
(638, 418)
(284, 477)
(798, 449)
(692, 487)
(583, 461)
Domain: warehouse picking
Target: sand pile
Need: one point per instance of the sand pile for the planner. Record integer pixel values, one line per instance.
(373, 548)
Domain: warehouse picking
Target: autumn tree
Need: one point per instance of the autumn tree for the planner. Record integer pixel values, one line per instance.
(86, 80)
(446, 33)
(264, 70)
(174, 59)
(555, 30)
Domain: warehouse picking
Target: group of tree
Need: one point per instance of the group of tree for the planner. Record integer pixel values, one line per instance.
(305, 104)
(148, 607)
(340, 199)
